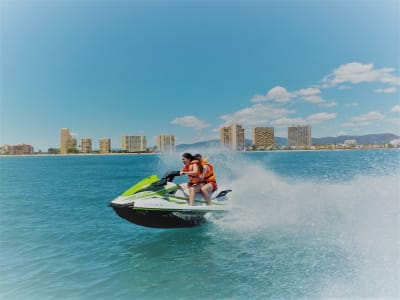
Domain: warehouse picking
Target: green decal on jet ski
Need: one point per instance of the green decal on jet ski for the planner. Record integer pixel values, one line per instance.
(141, 185)
(171, 199)
(149, 194)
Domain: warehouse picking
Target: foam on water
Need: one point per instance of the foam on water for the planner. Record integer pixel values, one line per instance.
(360, 218)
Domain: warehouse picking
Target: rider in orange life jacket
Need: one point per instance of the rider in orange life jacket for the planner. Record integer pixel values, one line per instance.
(193, 169)
(208, 177)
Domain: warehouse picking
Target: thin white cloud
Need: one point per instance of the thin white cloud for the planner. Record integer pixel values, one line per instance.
(278, 94)
(191, 122)
(394, 121)
(330, 104)
(349, 124)
(257, 114)
(310, 95)
(308, 91)
(352, 104)
(371, 116)
(313, 99)
(356, 72)
(390, 90)
(281, 95)
(285, 122)
(395, 108)
(320, 117)
(364, 120)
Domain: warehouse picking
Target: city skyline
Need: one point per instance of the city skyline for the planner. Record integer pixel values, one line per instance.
(231, 137)
(105, 145)
(192, 68)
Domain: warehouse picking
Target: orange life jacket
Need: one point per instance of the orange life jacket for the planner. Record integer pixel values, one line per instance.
(209, 175)
(193, 178)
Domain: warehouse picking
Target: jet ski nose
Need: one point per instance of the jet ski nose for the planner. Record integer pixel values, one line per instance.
(116, 204)
(121, 201)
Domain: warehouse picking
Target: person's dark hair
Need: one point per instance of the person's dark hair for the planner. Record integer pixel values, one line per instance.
(191, 158)
(188, 156)
(198, 157)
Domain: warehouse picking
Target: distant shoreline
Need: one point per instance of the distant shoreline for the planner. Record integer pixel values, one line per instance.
(75, 154)
(164, 153)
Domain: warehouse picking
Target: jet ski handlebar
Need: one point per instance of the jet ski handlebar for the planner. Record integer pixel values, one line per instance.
(169, 176)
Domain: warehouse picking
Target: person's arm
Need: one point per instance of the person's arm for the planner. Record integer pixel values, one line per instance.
(194, 169)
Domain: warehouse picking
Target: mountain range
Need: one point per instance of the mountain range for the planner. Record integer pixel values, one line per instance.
(376, 139)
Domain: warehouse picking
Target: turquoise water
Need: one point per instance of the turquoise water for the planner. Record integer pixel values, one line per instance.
(305, 225)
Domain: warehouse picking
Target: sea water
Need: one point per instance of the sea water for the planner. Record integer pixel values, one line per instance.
(312, 225)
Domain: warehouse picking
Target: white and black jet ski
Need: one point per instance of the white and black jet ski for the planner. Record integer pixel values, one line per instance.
(161, 203)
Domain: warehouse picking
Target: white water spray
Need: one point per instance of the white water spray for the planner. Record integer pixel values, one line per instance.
(361, 217)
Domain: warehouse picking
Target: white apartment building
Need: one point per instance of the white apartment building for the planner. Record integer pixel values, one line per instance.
(166, 143)
(105, 145)
(134, 143)
(299, 137)
(233, 137)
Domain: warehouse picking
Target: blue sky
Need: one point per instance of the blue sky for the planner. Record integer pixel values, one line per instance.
(111, 68)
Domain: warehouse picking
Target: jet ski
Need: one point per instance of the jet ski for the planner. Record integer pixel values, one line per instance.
(162, 203)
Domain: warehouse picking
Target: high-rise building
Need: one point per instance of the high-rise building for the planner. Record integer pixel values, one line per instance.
(350, 143)
(225, 137)
(133, 143)
(73, 143)
(165, 143)
(105, 145)
(86, 145)
(67, 141)
(237, 134)
(65, 136)
(233, 137)
(22, 149)
(6, 149)
(263, 137)
(299, 137)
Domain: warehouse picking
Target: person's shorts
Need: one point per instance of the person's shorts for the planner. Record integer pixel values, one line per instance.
(212, 186)
(196, 186)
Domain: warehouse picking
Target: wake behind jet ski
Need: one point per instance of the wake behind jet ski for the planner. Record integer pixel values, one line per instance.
(162, 203)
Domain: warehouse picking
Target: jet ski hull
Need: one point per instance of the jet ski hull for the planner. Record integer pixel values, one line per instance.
(164, 204)
(161, 218)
